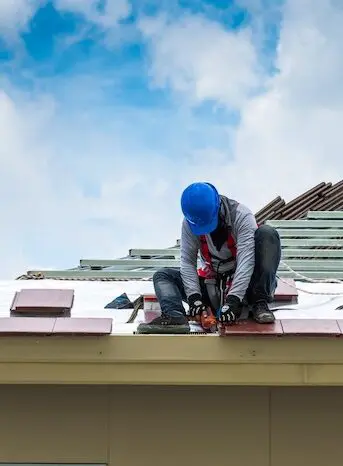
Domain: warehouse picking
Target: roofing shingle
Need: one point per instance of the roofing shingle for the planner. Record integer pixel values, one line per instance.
(324, 196)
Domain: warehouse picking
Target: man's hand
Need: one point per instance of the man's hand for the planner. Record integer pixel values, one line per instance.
(196, 306)
(231, 310)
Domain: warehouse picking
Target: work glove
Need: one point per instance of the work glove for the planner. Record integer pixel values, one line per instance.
(231, 310)
(196, 306)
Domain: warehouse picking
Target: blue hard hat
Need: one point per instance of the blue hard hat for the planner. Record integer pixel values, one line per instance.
(200, 205)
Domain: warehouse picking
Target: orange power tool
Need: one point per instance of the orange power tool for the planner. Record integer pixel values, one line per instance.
(207, 320)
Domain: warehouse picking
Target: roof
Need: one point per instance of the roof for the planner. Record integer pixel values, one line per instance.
(312, 252)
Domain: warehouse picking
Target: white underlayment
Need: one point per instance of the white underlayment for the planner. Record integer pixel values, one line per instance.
(92, 297)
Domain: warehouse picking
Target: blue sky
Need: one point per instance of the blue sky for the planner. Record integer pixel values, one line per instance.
(110, 108)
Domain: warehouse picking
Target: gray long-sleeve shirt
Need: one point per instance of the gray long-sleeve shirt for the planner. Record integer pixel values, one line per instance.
(243, 225)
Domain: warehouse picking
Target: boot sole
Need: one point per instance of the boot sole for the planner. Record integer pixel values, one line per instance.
(170, 329)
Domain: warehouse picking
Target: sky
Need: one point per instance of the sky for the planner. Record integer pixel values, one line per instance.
(110, 108)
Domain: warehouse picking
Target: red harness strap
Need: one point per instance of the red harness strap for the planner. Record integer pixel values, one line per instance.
(207, 270)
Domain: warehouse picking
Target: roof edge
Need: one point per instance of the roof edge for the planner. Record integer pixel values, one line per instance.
(165, 360)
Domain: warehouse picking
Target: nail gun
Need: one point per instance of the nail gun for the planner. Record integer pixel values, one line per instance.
(207, 320)
(217, 289)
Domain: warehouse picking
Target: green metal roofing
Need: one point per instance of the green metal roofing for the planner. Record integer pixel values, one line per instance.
(312, 247)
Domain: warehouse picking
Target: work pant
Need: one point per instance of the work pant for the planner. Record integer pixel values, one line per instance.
(170, 291)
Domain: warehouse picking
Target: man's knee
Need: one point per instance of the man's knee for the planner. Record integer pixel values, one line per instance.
(164, 273)
(267, 248)
(268, 234)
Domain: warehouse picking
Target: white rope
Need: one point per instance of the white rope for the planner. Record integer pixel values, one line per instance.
(311, 280)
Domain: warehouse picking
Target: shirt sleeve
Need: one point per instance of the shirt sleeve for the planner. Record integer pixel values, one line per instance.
(244, 232)
(189, 261)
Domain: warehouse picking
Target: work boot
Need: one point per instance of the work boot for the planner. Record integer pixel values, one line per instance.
(262, 314)
(165, 324)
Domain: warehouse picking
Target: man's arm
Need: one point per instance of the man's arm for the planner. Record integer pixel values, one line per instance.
(244, 232)
(189, 255)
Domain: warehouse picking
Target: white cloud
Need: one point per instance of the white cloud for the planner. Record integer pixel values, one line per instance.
(200, 59)
(43, 206)
(106, 15)
(15, 15)
(289, 137)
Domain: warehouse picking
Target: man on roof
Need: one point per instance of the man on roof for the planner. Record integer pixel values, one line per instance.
(234, 250)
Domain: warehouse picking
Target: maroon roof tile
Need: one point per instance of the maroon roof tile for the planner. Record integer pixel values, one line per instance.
(248, 327)
(43, 298)
(82, 326)
(26, 326)
(310, 327)
(286, 290)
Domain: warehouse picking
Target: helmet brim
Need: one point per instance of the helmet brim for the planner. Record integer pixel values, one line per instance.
(199, 230)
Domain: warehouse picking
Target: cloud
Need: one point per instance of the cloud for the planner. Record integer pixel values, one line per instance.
(200, 59)
(15, 16)
(104, 14)
(289, 136)
(104, 21)
(23, 180)
(47, 217)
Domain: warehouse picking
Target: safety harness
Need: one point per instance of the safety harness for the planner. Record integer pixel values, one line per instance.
(208, 270)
